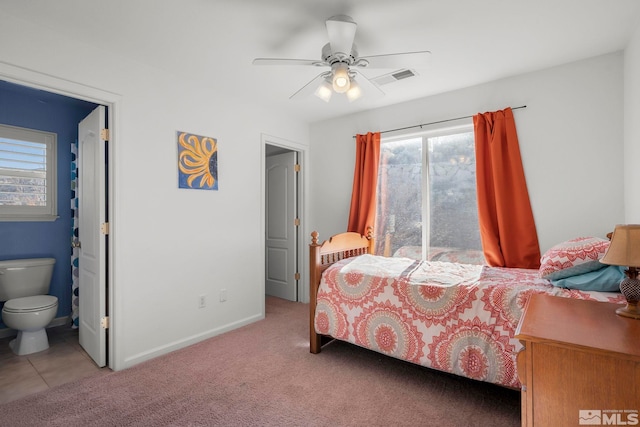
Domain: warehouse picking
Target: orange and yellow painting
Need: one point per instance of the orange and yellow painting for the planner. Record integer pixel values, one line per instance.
(197, 162)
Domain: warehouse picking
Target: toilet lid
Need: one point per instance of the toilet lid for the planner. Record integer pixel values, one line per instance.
(27, 304)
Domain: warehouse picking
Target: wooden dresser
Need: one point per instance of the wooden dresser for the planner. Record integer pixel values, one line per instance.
(580, 364)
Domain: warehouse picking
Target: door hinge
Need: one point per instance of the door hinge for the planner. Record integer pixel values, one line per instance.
(296, 276)
(104, 134)
(296, 167)
(296, 222)
(104, 228)
(104, 322)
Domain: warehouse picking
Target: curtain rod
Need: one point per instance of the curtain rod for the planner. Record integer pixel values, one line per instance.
(439, 121)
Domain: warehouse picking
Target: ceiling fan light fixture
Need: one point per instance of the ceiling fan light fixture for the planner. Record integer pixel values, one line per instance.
(340, 54)
(324, 91)
(341, 81)
(354, 91)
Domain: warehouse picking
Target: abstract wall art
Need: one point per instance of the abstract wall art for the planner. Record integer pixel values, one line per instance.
(197, 161)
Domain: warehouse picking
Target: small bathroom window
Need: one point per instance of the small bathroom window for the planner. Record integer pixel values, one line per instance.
(27, 174)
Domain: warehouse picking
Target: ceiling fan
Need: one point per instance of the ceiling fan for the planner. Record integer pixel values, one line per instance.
(341, 56)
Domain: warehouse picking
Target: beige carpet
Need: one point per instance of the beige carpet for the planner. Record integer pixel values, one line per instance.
(264, 375)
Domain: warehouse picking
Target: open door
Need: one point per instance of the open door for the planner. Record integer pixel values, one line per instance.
(93, 230)
(281, 226)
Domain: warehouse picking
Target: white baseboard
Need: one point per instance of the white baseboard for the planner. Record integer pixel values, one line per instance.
(58, 321)
(176, 345)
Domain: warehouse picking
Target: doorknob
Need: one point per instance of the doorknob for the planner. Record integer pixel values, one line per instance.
(75, 244)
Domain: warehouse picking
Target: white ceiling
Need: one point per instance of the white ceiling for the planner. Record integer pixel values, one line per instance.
(471, 41)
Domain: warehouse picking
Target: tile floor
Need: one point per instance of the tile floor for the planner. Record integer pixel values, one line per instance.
(62, 362)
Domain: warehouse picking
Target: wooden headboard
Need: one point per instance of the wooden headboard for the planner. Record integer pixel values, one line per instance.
(321, 256)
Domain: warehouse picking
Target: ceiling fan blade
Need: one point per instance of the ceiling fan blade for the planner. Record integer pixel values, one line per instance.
(310, 87)
(396, 60)
(283, 61)
(341, 30)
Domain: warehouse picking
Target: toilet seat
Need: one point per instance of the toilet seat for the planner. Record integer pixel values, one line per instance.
(30, 304)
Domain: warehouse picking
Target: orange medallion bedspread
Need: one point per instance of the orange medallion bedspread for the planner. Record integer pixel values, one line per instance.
(456, 318)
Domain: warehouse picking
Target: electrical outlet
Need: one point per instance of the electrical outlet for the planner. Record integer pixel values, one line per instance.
(202, 301)
(223, 295)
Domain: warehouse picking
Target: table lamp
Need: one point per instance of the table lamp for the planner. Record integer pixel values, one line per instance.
(624, 250)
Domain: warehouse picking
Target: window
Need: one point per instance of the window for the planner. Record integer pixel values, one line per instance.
(27, 175)
(427, 193)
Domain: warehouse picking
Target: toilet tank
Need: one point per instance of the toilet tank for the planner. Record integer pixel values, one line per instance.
(25, 277)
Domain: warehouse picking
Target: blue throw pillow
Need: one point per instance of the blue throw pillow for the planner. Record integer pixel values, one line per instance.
(605, 280)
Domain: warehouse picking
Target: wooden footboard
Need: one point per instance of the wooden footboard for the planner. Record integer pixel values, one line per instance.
(321, 256)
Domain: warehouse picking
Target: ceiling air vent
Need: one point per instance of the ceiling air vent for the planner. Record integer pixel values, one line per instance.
(394, 77)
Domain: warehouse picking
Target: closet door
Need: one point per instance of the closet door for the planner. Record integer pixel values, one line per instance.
(281, 215)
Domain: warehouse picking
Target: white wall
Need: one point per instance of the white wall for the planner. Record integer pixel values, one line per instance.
(632, 129)
(571, 139)
(170, 245)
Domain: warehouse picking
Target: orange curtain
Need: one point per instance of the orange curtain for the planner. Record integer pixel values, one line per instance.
(507, 229)
(365, 182)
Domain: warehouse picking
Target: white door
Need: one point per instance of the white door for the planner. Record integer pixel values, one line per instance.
(91, 237)
(281, 239)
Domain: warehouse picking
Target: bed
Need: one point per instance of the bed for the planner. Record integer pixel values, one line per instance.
(453, 317)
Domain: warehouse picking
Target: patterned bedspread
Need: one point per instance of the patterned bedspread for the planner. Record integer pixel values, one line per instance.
(452, 317)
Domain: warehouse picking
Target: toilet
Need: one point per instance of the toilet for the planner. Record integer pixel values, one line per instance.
(24, 284)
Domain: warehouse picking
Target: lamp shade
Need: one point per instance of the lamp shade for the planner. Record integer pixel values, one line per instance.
(341, 80)
(625, 246)
(324, 91)
(354, 91)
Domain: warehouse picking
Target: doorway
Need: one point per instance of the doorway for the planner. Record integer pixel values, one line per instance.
(283, 186)
(52, 87)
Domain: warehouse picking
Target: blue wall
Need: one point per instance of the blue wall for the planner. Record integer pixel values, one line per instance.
(35, 109)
